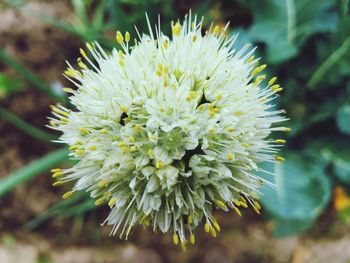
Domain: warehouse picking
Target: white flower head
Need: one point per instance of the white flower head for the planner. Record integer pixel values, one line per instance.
(169, 129)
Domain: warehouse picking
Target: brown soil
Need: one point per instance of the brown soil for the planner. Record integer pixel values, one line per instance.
(43, 49)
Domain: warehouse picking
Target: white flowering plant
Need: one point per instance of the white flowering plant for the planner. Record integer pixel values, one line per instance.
(169, 129)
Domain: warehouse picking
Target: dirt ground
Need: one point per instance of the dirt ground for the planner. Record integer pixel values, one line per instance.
(43, 49)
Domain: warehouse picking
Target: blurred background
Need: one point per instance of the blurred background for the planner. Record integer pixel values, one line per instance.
(306, 43)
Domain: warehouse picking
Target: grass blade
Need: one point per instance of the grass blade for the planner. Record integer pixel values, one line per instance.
(32, 170)
(30, 77)
(26, 127)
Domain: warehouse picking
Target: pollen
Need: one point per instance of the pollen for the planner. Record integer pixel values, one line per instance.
(176, 239)
(112, 201)
(192, 239)
(67, 194)
(100, 201)
(176, 29)
(279, 159)
(119, 37)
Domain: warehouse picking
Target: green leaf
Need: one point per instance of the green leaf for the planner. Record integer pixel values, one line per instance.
(8, 86)
(285, 25)
(302, 192)
(32, 170)
(343, 119)
(338, 153)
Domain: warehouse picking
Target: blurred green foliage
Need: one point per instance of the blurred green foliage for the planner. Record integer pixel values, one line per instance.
(307, 45)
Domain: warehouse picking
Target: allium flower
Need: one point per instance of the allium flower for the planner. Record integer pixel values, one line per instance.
(170, 129)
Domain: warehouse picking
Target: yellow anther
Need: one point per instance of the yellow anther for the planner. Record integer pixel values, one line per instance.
(192, 239)
(166, 69)
(100, 201)
(213, 232)
(278, 90)
(218, 97)
(286, 129)
(242, 199)
(230, 129)
(150, 152)
(64, 120)
(245, 144)
(207, 227)
(166, 44)
(52, 123)
(119, 37)
(176, 29)
(243, 204)
(137, 128)
(221, 204)
(280, 159)
(176, 239)
(125, 149)
(153, 137)
(256, 205)
(112, 201)
(238, 212)
(216, 30)
(256, 210)
(89, 46)
(275, 87)
(211, 130)
(121, 144)
(230, 156)
(191, 95)
(92, 148)
(272, 81)
(258, 69)
(121, 63)
(79, 152)
(57, 183)
(68, 90)
(70, 73)
(159, 164)
(200, 107)
(177, 74)
(67, 195)
(236, 202)
(56, 170)
(159, 73)
(189, 219)
(250, 59)
(259, 79)
(83, 131)
(82, 65)
(59, 111)
(104, 131)
(73, 147)
(183, 245)
(217, 226)
(133, 149)
(194, 38)
(127, 36)
(102, 183)
(57, 174)
(132, 139)
(124, 108)
(82, 52)
(280, 141)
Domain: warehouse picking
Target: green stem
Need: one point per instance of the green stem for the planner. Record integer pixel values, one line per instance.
(328, 64)
(25, 127)
(32, 170)
(29, 76)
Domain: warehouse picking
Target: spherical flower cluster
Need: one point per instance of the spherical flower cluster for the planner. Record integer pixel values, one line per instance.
(170, 129)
